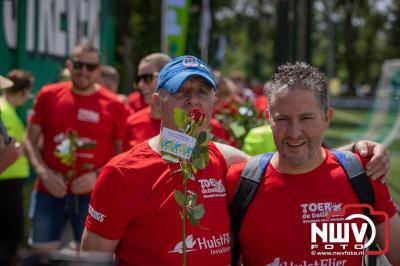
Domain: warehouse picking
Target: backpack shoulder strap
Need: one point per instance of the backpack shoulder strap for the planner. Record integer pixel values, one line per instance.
(356, 175)
(361, 186)
(250, 179)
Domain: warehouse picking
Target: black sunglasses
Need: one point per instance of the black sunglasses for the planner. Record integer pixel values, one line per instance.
(80, 65)
(146, 78)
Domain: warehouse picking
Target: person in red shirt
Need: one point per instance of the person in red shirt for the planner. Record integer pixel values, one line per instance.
(133, 212)
(144, 123)
(146, 80)
(141, 126)
(136, 101)
(81, 124)
(109, 78)
(303, 181)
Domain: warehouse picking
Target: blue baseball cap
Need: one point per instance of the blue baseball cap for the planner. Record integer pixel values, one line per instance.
(179, 69)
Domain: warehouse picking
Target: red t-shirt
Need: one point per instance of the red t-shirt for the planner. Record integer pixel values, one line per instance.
(99, 120)
(136, 101)
(133, 201)
(140, 127)
(277, 226)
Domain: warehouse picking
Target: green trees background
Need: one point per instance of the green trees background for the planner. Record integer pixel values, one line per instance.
(350, 39)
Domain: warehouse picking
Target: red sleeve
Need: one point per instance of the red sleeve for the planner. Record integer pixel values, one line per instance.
(232, 179)
(111, 206)
(136, 102)
(383, 199)
(121, 114)
(39, 110)
(129, 135)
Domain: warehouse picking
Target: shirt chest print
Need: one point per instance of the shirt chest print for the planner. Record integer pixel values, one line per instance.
(88, 115)
(212, 187)
(314, 212)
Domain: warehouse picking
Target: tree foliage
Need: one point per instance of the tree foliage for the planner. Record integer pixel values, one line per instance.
(366, 34)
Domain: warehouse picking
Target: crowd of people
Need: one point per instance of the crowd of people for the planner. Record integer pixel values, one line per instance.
(98, 163)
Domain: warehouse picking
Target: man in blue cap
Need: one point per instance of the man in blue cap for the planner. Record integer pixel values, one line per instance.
(133, 212)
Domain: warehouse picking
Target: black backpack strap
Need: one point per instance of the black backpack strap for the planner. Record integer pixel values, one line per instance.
(361, 186)
(250, 179)
(357, 177)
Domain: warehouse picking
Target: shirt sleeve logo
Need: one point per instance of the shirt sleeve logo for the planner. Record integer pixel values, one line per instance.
(96, 215)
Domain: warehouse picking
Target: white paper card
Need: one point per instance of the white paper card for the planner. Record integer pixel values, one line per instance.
(177, 143)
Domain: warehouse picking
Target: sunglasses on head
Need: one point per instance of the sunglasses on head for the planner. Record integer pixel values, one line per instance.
(88, 66)
(145, 77)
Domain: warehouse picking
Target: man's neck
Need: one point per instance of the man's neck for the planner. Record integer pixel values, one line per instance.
(154, 144)
(286, 168)
(89, 91)
(154, 113)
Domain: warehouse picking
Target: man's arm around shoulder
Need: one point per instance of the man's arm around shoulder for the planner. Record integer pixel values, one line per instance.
(231, 154)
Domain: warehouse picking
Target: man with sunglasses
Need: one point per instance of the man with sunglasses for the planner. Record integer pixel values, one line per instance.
(146, 80)
(133, 212)
(81, 124)
(145, 123)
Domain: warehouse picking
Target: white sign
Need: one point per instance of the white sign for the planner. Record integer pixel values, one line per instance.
(177, 143)
(45, 30)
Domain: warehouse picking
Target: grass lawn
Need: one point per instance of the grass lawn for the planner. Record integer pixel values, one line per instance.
(345, 124)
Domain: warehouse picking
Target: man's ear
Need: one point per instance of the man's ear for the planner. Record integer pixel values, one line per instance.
(329, 116)
(268, 115)
(155, 101)
(154, 81)
(214, 100)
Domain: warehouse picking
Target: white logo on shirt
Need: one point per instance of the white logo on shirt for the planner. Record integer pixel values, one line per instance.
(96, 215)
(212, 187)
(216, 244)
(317, 211)
(189, 245)
(88, 115)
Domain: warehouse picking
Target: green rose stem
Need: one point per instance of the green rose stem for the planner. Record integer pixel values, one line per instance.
(184, 216)
(188, 123)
